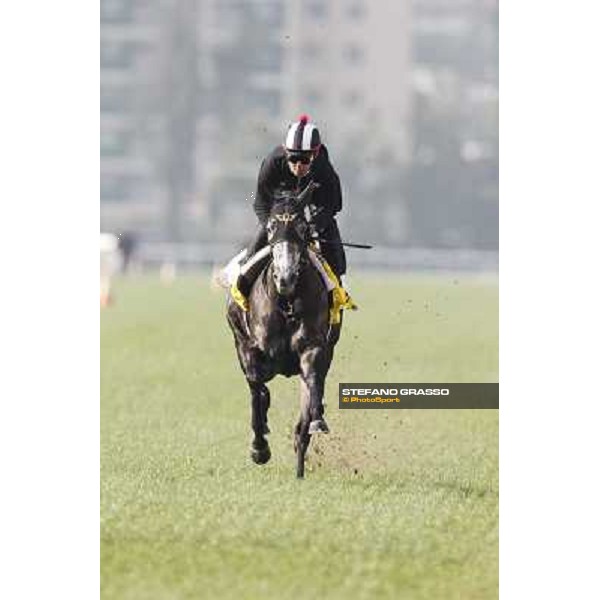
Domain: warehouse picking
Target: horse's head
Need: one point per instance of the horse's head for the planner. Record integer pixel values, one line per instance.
(288, 234)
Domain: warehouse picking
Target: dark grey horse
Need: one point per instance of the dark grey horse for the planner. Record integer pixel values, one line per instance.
(285, 331)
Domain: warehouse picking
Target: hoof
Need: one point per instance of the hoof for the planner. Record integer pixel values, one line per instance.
(261, 456)
(318, 427)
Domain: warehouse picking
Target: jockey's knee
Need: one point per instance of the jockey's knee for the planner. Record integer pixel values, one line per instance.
(338, 266)
(248, 275)
(337, 261)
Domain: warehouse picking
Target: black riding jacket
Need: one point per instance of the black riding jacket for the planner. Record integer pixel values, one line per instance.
(275, 176)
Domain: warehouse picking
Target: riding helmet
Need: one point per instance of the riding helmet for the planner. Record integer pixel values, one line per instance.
(302, 136)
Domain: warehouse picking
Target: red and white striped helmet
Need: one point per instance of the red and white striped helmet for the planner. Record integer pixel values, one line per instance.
(302, 136)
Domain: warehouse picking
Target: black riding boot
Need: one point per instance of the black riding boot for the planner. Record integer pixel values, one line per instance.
(332, 249)
(334, 254)
(335, 329)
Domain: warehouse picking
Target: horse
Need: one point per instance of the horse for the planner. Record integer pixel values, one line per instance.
(286, 330)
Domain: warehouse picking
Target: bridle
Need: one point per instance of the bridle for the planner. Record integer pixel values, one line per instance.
(288, 233)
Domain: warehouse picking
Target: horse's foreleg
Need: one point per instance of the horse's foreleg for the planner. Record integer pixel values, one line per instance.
(260, 398)
(314, 364)
(265, 399)
(302, 437)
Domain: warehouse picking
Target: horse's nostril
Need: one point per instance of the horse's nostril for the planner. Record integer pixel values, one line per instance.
(285, 283)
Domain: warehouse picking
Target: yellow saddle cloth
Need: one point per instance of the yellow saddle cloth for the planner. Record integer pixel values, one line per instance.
(340, 297)
(238, 297)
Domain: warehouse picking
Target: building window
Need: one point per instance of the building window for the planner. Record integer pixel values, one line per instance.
(270, 13)
(267, 58)
(114, 99)
(354, 54)
(116, 11)
(315, 9)
(115, 55)
(114, 188)
(312, 52)
(114, 143)
(356, 10)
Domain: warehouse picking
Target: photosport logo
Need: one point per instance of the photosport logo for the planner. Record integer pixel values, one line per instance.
(419, 395)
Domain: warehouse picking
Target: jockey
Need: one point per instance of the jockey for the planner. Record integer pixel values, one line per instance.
(290, 167)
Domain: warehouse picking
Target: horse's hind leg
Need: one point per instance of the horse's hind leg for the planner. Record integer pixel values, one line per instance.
(261, 399)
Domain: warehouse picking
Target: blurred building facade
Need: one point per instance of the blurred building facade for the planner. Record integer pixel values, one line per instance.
(131, 184)
(453, 195)
(345, 63)
(194, 93)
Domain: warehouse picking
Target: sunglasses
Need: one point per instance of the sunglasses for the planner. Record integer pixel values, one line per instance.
(305, 159)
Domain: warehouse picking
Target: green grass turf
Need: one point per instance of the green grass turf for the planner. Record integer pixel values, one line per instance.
(395, 504)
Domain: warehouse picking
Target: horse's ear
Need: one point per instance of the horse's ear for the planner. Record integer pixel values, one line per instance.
(307, 192)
